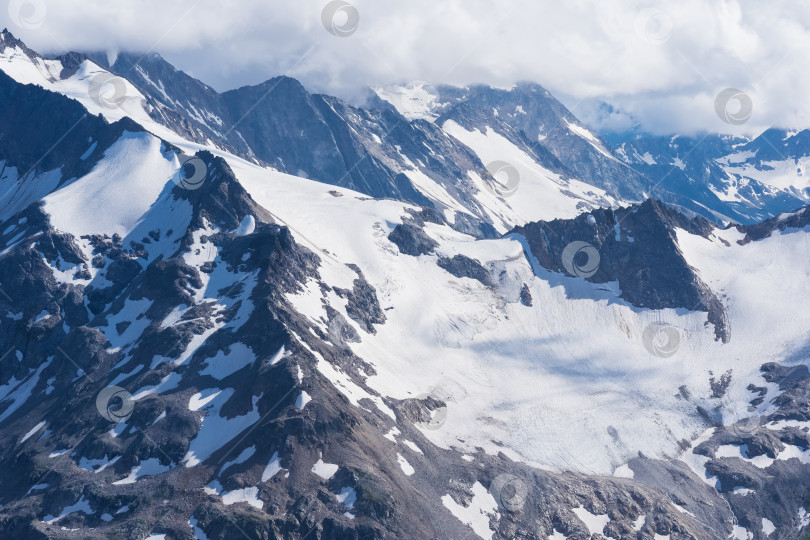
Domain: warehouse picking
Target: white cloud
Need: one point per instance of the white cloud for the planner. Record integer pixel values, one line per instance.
(660, 62)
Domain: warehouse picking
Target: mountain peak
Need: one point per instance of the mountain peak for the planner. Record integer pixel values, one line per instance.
(7, 36)
(637, 247)
(221, 198)
(125, 60)
(7, 39)
(185, 326)
(284, 80)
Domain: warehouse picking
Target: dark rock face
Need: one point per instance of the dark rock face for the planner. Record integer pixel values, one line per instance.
(635, 246)
(363, 306)
(475, 227)
(463, 266)
(33, 124)
(426, 215)
(795, 385)
(321, 137)
(778, 488)
(87, 364)
(529, 112)
(464, 223)
(411, 239)
(525, 295)
(689, 172)
(316, 136)
(181, 102)
(797, 219)
(214, 351)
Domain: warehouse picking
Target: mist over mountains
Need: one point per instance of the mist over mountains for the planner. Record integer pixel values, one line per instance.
(451, 312)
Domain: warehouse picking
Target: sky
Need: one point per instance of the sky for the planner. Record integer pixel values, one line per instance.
(655, 66)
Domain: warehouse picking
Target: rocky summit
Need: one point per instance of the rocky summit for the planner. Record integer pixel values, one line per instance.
(447, 313)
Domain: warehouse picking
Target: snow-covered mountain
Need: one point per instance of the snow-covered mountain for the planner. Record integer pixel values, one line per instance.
(377, 150)
(197, 344)
(733, 178)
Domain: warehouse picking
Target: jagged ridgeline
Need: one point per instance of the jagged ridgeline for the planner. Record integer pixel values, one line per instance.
(449, 313)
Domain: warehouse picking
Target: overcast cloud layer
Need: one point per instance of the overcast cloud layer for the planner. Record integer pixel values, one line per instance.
(659, 64)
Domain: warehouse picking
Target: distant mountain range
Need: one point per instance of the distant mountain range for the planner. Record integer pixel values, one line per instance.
(726, 178)
(318, 136)
(450, 313)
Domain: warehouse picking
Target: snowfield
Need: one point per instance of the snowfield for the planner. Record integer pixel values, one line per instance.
(558, 382)
(543, 194)
(565, 384)
(118, 192)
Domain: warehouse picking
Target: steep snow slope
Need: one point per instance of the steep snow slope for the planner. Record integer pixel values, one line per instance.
(218, 321)
(738, 179)
(541, 193)
(529, 113)
(479, 343)
(473, 193)
(84, 83)
(417, 100)
(774, 164)
(375, 150)
(114, 196)
(513, 374)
